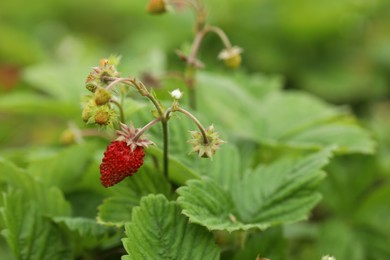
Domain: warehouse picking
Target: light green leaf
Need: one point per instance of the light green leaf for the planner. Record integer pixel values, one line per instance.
(50, 200)
(282, 192)
(279, 118)
(34, 104)
(64, 168)
(63, 81)
(159, 231)
(348, 138)
(29, 234)
(116, 210)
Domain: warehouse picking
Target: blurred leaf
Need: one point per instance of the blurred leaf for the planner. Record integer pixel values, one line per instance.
(86, 233)
(49, 200)
(159, 231)
(340, 241)
(268, 244)
(29, 234)
(375, 209)
(348, 138)
(65, 168)
(34, 104)
(289, 118)
(117, 209)
(283, 192)
(63, 81)
(18, 47)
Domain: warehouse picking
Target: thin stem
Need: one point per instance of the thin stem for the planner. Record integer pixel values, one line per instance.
(145, 128)
(165, 151)
(221, 34)
(121, 112)
(196, 121)
(94, 133)
(196, 45)
(114, 82)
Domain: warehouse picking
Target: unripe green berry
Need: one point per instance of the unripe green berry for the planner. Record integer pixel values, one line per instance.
(102, 117)
(156, 7)
(68, 137)
(233, 62)
(88, 110)
(102, 96)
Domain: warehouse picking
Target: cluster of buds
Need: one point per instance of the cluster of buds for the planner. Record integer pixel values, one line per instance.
(97, 108)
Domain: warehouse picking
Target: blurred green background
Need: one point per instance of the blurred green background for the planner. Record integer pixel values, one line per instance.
(339, 50)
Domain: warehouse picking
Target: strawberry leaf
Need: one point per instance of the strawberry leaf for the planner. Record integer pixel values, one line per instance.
(282, 192)
(159, 231)
(117, 209)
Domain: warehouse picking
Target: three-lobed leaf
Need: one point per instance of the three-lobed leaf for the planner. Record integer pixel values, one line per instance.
(282, 192)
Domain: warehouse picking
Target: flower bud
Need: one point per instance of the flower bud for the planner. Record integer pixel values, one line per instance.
(102, 96)
(176, 94)
(102, 117)
(88, 110)
(157, 6)
(231, 57)
(68, 137)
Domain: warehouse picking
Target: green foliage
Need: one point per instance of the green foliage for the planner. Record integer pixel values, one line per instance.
(158, 231)
(117, 209)
(282, 192)
(281, 131)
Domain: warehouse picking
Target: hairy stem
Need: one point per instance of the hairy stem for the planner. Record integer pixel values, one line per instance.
(121, 112)
(221, 34)
(145, 128)
(165, 151)
(196, 121)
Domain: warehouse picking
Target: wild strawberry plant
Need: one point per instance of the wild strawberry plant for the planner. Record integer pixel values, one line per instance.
(128, 187)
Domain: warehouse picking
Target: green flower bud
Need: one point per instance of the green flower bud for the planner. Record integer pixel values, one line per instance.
(88, 110)
(102, 96)
(156, 7)
(231, 57)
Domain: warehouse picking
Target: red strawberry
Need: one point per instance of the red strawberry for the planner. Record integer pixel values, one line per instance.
(119, 162)
(123, 156)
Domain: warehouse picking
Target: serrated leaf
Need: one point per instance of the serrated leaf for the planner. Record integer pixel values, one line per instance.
(29, 234)
(159, 231)
(50, 200)
(282, 192)
(117, 209)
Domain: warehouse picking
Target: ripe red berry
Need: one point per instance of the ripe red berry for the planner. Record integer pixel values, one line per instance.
(120, 161)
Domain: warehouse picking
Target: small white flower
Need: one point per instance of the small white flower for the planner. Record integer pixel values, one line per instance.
(229, 53)
(176, 94)
(328, 257)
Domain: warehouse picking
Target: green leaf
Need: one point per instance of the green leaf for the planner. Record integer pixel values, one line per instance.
(268, 244)
(158, 231)
(50, 200)
(86, 233)
(34, 104)
(64, 81)
(63, 168)
(279, 118)
(29, 234)
(348, 138)
(282, 192)
(117, 209)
